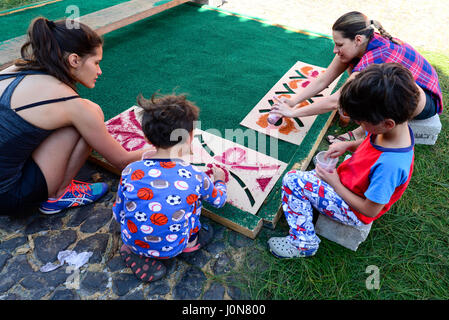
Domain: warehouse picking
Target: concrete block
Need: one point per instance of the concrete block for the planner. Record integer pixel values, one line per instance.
(426, 131)
(212, 3)
(348, 236)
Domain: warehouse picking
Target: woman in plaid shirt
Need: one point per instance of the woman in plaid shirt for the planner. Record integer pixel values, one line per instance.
(357, 46)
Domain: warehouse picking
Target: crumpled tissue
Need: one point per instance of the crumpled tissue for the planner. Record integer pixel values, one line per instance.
(74, 259)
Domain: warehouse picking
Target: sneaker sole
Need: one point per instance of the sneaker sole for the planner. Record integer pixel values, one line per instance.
(48, 212)
(54, 211)
(283, 257)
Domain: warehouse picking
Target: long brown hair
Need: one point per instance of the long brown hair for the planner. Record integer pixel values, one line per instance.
(50, 42)
(353, 23)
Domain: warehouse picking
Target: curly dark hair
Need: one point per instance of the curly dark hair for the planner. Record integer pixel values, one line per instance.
(163, 115)
(379, 92)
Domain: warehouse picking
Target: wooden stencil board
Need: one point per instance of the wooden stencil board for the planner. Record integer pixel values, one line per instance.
(252, 174)
(292, 130)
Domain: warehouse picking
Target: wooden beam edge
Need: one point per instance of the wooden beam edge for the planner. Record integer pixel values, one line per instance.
(124, 22)
(250, 233)
(302, 166)
(138, 16)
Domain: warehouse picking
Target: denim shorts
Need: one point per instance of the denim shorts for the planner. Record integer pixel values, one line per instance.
(26, 194)
(430, 108)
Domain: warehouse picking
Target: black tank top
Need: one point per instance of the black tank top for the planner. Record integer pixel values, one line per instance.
(18, 137)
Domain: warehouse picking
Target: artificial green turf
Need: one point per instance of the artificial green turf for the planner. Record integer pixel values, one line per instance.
(225, 64)
(16, 24)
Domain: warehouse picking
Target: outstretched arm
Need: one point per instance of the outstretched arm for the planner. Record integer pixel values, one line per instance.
(87, 117)
(335, 68)
(321, 105)
(289, 108)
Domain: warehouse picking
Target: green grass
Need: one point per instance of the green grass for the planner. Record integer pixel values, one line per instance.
(409, 244)
(9, 4)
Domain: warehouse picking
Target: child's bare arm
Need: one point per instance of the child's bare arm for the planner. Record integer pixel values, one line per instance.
(337, 149)
(362, 205)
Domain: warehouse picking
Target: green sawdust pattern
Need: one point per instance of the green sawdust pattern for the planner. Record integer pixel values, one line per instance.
(224, 63)
(16, 24)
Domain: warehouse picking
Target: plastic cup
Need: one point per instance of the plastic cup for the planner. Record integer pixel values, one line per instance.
(273, 118)
(328, 164)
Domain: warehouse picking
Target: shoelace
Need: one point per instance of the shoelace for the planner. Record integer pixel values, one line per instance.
(78, 188)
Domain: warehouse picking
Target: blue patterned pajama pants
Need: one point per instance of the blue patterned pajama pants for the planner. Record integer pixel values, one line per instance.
(302, 190)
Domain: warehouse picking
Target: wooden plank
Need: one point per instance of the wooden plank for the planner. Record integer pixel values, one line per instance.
(102, 21)
(251, 230)
(138, 16)
(27, 7)
(97, 159)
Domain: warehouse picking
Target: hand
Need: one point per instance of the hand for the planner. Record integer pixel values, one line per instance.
(282, 107)
(336, 149)
(331, 178)
(218, 174)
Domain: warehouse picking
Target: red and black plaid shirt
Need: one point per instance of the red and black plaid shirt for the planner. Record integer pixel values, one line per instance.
(381, 50)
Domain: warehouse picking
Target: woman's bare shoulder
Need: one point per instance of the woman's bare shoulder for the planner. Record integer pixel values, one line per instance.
(43, 85)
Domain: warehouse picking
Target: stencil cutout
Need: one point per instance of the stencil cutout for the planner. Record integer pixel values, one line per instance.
(295, 80)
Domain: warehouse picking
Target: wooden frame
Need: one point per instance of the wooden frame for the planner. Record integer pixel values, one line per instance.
(138, 16)
(102, 21)
(253, 224)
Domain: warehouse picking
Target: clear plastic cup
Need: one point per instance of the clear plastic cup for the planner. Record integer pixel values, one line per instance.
(273, 118)
(328, 164)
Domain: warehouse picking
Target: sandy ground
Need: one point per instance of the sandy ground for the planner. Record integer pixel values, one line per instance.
(423, 24)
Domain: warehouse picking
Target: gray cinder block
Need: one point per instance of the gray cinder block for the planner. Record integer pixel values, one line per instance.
(347, 236)
(426, 131)
(212, 3)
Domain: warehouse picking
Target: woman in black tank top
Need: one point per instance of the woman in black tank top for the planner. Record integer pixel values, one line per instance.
(46, 130)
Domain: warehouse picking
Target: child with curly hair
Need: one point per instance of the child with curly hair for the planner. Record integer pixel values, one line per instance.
(159, 198)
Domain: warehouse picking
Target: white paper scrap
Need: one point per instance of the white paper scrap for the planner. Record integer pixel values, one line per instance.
(72, 258)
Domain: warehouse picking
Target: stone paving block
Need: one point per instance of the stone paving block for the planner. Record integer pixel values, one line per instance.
(215, 292)
(347, 236)
(426, 131)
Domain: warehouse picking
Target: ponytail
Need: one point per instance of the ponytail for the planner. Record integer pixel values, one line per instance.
(382, 31)
(354, 23)
(49, 44)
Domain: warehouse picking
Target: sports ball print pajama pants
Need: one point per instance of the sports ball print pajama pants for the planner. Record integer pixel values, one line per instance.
(301, 192)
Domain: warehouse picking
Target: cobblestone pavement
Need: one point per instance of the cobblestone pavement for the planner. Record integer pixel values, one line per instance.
(29, 243)
(26, 244)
